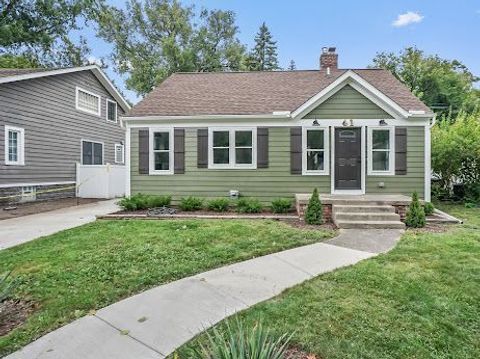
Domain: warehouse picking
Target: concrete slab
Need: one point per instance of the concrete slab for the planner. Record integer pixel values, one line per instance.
(367, 240)
(321, 258)
(167, 316)
(19, 230)
(86, 338)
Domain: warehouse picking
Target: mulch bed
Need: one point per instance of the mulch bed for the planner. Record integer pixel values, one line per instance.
(14, 313)
(295, 353)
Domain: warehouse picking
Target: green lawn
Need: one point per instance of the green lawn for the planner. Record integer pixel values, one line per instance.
(421, 300)
(75, 271)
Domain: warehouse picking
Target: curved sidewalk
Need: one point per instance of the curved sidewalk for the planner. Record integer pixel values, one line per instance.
(154, 323)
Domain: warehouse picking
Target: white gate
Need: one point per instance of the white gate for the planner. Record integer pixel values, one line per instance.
(100, 181)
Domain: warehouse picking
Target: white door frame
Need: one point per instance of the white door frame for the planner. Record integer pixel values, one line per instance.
(362, 165)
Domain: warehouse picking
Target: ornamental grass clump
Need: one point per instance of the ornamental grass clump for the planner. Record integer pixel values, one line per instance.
(415, 214)
(281, 205)
(314, 211)
(234, 341)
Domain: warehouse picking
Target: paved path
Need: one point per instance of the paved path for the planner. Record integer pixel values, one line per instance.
(19, 230)
(156, 322)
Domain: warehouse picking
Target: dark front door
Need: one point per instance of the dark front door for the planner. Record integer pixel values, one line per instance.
(348, 160)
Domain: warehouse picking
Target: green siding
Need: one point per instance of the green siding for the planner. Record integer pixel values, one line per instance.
(269, 183)
(265, 184)
(414, 179)
(347, 103)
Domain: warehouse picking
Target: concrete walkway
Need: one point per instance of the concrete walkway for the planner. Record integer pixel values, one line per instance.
(15, 231)
(156, 322)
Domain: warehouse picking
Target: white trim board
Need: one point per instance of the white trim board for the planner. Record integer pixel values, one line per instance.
(26, 184)
(97, 71)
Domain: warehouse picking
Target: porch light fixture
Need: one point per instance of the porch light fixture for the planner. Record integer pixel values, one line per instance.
(315, 123)
(382, 123)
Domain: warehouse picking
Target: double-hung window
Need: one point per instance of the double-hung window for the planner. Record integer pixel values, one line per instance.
(381, 154)
(111, 110)
(87, 101)
(315, 154)
(232, 148)
(92, 153)
(14, 146)
(161, 151)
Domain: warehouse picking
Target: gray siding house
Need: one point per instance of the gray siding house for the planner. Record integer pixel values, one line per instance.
(347, 132)
(51, 120)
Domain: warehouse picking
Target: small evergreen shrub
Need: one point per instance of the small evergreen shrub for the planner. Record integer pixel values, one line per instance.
(249, 205)
(314, 211)
(235, 341)
(415, 214)
(281, 205)
(141, 201)
(191, 203)
(428, 208)
(219, 205)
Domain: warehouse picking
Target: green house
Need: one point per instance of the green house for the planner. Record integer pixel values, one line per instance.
(280, 133)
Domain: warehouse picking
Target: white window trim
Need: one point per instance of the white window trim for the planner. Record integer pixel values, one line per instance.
(232, 153)
(97, 113)
(391, 162)
(106, 110)
(20, 146)
(151, 156)
(122, 160)
(326, 151)
(81, 151)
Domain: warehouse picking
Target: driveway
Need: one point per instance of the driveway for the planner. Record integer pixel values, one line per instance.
(19, 230)
(154, 323)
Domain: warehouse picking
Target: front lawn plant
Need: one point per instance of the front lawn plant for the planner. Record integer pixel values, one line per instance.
(191, 203)
(428, 208)
(140, 201)
(249, 205)
(314, 211)
(415, 214)
(219, 205)
(281, 205)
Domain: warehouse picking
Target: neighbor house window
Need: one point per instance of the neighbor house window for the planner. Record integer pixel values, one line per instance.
(111, 107)
(161, 151)
(88, 101)
(119, 153)
(381, 154)
(232, 148)
(14, 146)
(315, 160)
(92, 153)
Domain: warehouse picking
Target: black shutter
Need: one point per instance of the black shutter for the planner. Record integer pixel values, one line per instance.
(179, 151)
(262, 147)
(296, 150)
(202, 148)
(400, 150)
(143, 152)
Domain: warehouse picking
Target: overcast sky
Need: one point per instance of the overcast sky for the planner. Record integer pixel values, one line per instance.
(358, 29)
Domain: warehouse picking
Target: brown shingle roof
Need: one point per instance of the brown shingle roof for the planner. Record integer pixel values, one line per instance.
(251, 93)
(15, 72)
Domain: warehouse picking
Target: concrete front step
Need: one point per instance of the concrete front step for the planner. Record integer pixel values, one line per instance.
(357, 216)
(364, 209)
(370, 224)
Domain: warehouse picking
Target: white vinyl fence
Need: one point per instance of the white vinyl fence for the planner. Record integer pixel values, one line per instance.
(100, 181)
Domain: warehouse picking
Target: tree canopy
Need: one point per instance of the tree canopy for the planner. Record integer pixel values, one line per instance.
(264, 56)
(155, 38)
(39, 31)
(447, 86)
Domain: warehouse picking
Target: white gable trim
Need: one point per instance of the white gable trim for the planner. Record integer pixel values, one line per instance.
(97, 71)
(359, 84)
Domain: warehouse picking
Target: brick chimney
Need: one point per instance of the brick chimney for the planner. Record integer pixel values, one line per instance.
(328, 58)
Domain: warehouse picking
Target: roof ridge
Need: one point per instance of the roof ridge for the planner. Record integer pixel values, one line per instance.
(269, 71)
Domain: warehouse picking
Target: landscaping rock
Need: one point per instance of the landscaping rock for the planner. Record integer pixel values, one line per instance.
(161, 211)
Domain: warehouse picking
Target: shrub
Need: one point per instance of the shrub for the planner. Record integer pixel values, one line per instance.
(314, 211)
(249, 205)
(238, 342)
(6, 286)
(191, 203)
(415, 213)
(428, 208)
(141, 201)
(281, 205)
(218, 205)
